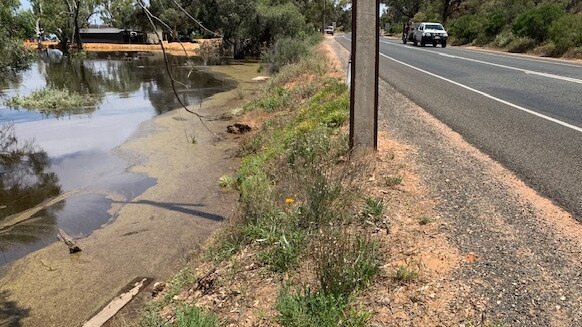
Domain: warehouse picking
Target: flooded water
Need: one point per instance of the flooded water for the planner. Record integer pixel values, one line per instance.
(65, 167)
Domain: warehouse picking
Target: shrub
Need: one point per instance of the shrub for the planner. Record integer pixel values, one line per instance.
(344, 262)
(566, 32)
(503, 39)
(494, 24)
(521, 44)
(285, 51)
(466, 29)
(535, 22)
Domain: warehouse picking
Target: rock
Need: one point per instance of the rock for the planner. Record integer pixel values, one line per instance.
(261, 78)
(238, 128)
(158, 287)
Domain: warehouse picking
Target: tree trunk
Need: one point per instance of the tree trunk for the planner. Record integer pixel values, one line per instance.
(77, 34)
(446, 4)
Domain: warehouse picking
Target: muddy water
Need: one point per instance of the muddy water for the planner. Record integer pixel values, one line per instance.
(67, 172)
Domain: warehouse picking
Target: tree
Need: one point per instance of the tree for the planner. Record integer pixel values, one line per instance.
(14, 26)
(65, 18)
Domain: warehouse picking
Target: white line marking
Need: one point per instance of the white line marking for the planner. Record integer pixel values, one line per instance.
(529, 72)
(576, 128)
(507, 55)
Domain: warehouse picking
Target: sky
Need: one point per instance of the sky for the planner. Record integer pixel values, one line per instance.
(25, 4)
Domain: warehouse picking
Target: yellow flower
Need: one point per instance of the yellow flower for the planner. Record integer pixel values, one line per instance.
(289, 200)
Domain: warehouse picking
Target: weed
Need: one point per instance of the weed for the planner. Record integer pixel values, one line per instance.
(194, 316)
(309, 308)
(424, 220)
(393, 180)
(344, 262)
(182, 279)
(227, 181)
(283, 254)
(405, 274)
(228, 242)
(57, 102)
(240, 93)
(194, 140)
(374, 208)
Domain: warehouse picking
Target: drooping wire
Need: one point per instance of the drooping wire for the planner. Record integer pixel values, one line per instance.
(173, 82)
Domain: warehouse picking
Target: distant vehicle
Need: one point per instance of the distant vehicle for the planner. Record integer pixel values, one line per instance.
(430, 33)
(329, 30)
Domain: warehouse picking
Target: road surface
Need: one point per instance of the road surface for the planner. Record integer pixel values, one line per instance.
(524, 112)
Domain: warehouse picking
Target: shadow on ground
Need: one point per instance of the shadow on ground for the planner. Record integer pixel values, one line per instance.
(10, 313)
(180, 207)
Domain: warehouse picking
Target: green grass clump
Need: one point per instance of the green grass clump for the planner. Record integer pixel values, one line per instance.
(344, 263)
(424, 220)
(405, 274)
(194, 316)
(393, 180)
(317, 309)
(374, 208)
(58, 102)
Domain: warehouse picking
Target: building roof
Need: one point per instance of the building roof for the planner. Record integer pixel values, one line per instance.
(106, 30)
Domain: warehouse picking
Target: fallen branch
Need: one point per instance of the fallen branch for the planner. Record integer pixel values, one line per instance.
(69, 241)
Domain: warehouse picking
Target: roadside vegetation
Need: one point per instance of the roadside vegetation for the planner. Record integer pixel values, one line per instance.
(55, 102)
(546, 28)
(301, 223)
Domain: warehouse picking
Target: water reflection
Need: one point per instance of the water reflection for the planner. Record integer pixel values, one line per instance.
(77, 149)
(24, 179)
(25, 182)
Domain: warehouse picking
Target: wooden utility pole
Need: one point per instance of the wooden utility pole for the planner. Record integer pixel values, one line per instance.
(364, 75)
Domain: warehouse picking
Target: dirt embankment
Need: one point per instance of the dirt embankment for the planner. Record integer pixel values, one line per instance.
(466, 243)
(151, 236)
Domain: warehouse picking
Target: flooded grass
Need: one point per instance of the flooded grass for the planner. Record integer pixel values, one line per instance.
(55, 101)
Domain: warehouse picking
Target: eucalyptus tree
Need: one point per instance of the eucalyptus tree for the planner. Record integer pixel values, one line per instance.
(14, 27)
(65, 18)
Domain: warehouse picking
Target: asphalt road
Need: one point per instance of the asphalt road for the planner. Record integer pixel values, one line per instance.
(526, 113)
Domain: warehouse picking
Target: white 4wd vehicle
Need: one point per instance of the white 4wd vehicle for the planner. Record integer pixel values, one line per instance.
(430, 33)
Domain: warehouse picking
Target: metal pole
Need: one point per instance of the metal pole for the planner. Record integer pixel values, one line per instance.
(364, 75)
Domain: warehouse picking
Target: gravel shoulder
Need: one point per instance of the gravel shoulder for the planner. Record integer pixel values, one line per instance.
(521, 255)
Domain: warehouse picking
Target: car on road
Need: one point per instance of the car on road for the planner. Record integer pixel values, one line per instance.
(329, 30)
(429, 33)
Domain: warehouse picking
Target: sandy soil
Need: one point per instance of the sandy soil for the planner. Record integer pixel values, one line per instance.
(174, 48)
(152, 235)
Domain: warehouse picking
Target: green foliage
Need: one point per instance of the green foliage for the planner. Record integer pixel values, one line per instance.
(190, 316)
(405, 274)
(424, 220)
(566, 32)
(277, 100)
(535, 22)
(14, 27)
(373, 208)
(466, 29)
(344, 262)
(310, 309)
(317, 309)
(285, 51)
(57, 102)
(226, 181)
(521, 44)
